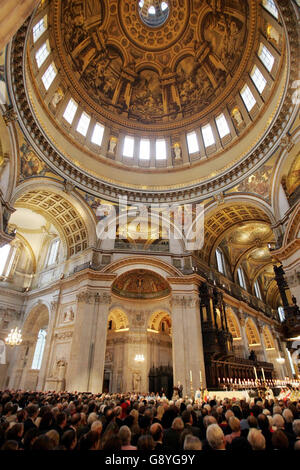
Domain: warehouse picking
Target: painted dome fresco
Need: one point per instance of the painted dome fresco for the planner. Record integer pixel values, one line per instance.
(148, 96)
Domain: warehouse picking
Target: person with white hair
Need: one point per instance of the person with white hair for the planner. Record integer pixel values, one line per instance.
(278, 422)
(256, 439)
(97, 426)
(215, 437)
(192, 443)
(91, 418)
(125, 436)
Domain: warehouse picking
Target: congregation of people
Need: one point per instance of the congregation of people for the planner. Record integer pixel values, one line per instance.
(118, 422)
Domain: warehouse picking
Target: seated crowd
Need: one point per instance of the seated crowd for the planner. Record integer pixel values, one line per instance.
(114, 422)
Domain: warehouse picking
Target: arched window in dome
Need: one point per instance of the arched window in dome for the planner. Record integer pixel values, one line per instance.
(97, 134)
(161, 149)
(192, 142)
(53, 252)
(39, 28)
(49, 75)
(42, 53)
(144, 149)
(248, 97)
(220, 261)
(128, 146)
(271, 7)
(151, 10)
(70, 111)
(257, 290)
(39, 349)
(208, 136)
(266, 57)
(258, 79)
(241, 278)
(281, 314)
(222, 126)
(83, 124)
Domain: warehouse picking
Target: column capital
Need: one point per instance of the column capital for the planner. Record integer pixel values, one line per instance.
(85, 297)
(189, 300)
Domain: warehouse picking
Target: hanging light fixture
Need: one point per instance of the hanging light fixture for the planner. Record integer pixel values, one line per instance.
(280, 360)
(139, 358)
(14, 338)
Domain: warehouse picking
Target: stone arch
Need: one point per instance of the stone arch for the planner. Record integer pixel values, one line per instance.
(68, 212)
(220, 218)
(233, 323)
(157, 317)
(35, 318)
(144, 262)
(268, 338)
(293, 228)
(252, 333)
(118, 318)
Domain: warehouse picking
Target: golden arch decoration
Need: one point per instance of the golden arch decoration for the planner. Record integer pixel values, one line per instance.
(36, 318)
(233, 324)
(118, 319)
(156, 320)
(62, 214)
(268, 338)
(252, 333)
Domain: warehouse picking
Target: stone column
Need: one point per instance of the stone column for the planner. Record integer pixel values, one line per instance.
(47, 351)
(242, 320)
(99, 342)
(78, 368)
(260, 326)
(187, 345)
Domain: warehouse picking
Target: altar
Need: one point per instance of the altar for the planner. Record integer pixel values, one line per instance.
(231, 394)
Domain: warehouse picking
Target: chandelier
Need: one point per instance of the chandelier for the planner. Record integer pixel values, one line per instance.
(139, 358)
(14, 338)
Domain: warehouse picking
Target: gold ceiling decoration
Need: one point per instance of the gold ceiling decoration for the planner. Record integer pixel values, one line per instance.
(140, 284)
(62, 213)
(133, 74)
(216, 224)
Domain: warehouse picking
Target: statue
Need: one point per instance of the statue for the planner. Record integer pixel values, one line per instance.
(112, 145)
(136, 381)
(57, 97)
(68, 315)
(252, 356)
(177, 151)
(237, 117)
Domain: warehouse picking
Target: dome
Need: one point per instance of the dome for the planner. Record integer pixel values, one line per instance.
(144, 96)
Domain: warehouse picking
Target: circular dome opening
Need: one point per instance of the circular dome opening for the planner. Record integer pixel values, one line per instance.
(153, 13)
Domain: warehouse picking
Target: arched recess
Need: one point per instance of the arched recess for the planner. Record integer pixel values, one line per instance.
(23, 376)
(157, 319)
(146, 262)
(268, 338)
(270, 349)
(233, 324)
(67, 211)
(235, 329)
(143, 232)
(252, 333)
(234, 210)
(117, 320)
(293, 229)
(287, 157)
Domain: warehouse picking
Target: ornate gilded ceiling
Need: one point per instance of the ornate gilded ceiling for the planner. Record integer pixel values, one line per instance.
(154, 83)
(131, 73)
(140, 284)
